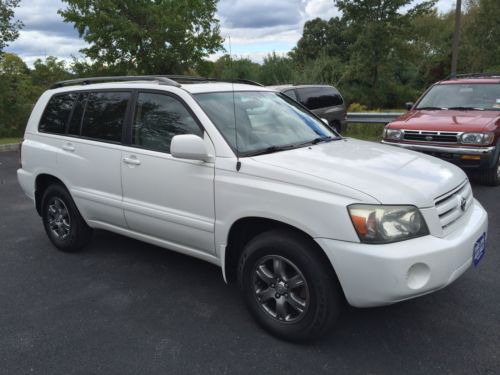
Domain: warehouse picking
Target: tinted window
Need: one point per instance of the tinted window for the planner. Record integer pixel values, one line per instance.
(158, 118)
(75, 123)
(319, 97)
(56, 113)
(104, 115)
(290, 94)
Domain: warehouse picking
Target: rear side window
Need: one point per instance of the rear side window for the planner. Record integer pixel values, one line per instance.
(75, 123)
(57, 113)
(158, 118)
(104, 115)
(319, 97)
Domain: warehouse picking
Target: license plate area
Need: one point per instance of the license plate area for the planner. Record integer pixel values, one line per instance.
(479, 249)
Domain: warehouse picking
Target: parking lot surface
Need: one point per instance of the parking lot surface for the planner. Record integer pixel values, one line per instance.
(125, 307)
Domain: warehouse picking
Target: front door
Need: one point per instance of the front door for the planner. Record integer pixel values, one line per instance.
(163, 197)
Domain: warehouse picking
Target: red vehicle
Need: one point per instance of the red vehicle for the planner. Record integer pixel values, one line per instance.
(457, 120)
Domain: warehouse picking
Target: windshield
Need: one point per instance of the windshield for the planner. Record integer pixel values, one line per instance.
(475, 96)
(266, 121)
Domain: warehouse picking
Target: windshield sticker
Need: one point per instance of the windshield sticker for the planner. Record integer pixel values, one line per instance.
(497, 104)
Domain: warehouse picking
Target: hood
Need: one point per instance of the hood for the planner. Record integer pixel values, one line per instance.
(389, 174)
(447, 120)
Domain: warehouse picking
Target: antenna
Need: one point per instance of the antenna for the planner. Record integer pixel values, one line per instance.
(238, 163)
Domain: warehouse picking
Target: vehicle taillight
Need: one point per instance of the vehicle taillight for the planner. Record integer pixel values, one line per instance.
(20, 154)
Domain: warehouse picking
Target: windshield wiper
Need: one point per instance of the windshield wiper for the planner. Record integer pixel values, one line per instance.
(467, 108)
(326, 138)
(269, 150)
(272, 149)
(432, 108)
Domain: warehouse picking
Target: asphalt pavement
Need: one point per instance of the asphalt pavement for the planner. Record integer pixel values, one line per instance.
(125, 307)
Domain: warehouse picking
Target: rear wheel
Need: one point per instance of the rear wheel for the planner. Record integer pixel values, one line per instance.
(289, 289)
(63, 223)
(490, 176)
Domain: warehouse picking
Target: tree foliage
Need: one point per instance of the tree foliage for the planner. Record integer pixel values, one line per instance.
(144, 36)
(9, 29)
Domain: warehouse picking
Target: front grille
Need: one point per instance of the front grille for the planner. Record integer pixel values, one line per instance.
(452, 205)
(430, 136)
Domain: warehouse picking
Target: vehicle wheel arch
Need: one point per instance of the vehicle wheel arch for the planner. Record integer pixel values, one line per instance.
(244, 229)
(42, 182)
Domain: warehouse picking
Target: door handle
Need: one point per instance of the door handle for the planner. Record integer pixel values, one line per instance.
(68, 147)
(132, 160)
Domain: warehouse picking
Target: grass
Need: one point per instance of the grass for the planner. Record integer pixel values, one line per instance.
(6, 141)
(367, 132)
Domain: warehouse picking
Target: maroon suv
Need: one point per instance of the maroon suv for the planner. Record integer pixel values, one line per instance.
(457, 120)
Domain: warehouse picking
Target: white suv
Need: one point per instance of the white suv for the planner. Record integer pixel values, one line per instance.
(243, 177)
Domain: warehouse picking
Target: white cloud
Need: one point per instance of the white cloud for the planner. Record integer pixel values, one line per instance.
(325, 9)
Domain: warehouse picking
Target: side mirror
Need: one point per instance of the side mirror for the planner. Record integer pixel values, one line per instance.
(189, 146)
(409, 105)
(325, 121)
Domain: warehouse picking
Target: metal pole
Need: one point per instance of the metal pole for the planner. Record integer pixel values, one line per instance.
(456, 38)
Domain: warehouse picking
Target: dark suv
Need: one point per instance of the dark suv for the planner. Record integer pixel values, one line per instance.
(323, 100)
(457, 120)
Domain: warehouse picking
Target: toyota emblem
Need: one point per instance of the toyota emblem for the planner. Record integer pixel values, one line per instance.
(463, 204)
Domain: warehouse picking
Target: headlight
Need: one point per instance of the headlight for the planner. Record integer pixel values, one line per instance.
(393, 134)
(477, 138)
(379, 224)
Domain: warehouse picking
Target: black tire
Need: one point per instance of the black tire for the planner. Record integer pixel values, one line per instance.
(63, 223)
(320, 291)
(490, 176)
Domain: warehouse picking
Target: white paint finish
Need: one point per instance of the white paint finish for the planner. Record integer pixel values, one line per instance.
(92, 174)
(373, 275)
(385, 173)
(189, 146)
(169, 198)
(157, 242)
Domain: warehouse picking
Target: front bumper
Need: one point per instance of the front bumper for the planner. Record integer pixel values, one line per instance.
(487, 155)
(373, 275)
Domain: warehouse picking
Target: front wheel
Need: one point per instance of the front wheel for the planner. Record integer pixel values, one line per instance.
(289, 289)
(491, 176)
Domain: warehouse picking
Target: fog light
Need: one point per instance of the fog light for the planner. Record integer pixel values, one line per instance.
(418, 275)
(470, 157)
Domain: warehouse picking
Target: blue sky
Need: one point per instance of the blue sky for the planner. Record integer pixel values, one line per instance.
(256, 27)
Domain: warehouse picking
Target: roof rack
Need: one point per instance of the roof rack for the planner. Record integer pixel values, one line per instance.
(164, 80)
(475, 75)
(170, 80)
(196, 79)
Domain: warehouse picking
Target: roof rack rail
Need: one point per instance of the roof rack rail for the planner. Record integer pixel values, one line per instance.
(475, 75)
(171, 80)
(193, 79)
(164, 80)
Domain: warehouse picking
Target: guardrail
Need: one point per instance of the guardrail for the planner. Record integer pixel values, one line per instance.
(372, 117)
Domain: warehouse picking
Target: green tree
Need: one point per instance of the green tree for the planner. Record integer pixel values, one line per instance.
(382, 29)
(323, 37)
(144, 36)
(46, 73)
(9, 29)
(238, 68)
(276, 69)
(16, 95)
(431, 41)
(480, 40)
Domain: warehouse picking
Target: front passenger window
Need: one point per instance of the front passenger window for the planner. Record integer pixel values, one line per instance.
(158, 118)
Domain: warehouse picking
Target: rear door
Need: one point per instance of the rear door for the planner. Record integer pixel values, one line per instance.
(90, 156)
(167, 198)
